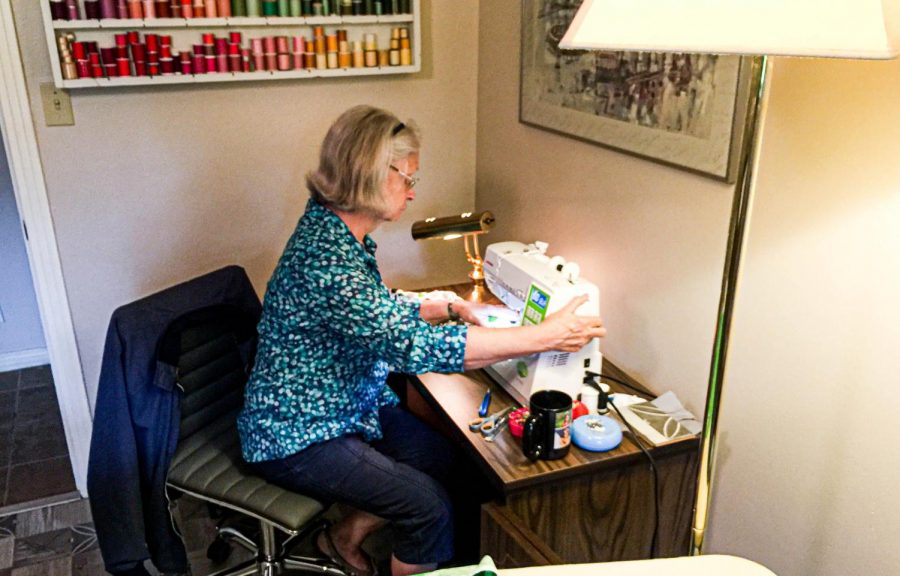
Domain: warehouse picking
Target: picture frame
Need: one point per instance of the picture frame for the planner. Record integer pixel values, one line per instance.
(682, 110)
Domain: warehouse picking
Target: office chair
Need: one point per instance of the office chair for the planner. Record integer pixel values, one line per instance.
(205, 347)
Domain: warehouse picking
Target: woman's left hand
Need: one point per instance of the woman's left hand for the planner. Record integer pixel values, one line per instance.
(469, 311)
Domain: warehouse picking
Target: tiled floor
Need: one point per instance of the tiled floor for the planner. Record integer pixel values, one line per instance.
(34, 459)
(53, 541)
(60, 540)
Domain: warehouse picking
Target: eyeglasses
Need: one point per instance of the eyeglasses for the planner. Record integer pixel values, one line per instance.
(411, 181)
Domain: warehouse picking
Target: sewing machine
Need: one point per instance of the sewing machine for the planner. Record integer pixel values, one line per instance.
(534, 285)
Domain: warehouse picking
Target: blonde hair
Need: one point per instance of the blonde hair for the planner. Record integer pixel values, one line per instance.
(355, 158)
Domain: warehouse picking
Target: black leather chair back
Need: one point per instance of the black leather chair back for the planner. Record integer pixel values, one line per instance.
(212, 350)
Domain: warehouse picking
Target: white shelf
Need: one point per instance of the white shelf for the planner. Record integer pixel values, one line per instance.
(235, 77)
(236, 22)
(183, 29)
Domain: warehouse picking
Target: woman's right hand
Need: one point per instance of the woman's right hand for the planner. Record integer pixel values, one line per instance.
(567, 332)
(563, 331)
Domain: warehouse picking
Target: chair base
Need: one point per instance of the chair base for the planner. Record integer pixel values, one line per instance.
(272, 557)
(283, 567)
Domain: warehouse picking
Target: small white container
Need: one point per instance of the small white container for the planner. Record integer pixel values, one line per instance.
(590, 397)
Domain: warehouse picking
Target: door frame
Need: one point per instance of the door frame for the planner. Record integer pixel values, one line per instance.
(30, 190)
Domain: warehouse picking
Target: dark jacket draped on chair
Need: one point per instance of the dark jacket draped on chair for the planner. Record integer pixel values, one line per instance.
(136, 422)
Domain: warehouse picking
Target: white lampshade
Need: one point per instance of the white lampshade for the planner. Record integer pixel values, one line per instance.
(829, 28)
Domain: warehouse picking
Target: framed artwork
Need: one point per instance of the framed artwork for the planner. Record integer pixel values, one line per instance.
(684, 110)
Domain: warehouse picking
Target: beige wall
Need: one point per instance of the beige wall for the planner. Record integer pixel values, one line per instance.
(651, 236)
(809, 471)
(153, 186)
(147, 190)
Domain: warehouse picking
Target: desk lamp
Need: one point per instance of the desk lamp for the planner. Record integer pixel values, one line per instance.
(466, 225)
(867, 29)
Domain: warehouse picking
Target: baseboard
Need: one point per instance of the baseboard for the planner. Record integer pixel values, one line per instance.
(23, 359)
(40, 503)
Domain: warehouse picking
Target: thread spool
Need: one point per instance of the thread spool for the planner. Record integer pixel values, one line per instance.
(72, 9)
(345, 59)
(92, 9)
(359, 59)
(405, 52)
(58, 10)
(590, 396)
(107, 9)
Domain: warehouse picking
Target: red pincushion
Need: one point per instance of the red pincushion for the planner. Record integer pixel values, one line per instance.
(517, 421)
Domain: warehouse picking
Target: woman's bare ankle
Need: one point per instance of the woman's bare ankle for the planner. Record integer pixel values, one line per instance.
(350, 553)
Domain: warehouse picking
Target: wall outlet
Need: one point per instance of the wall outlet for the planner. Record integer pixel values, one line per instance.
(57, 106)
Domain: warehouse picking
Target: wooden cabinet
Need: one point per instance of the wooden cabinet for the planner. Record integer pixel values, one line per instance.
(586, 507)
(511, 544)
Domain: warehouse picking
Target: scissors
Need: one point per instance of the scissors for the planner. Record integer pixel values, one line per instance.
(497, 429)
(490, 426)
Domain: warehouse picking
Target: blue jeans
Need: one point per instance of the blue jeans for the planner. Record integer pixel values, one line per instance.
(398, 478)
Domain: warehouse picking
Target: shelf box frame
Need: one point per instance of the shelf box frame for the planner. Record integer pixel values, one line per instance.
(53, 27)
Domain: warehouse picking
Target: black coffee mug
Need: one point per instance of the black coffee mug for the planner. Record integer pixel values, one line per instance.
(546, 434)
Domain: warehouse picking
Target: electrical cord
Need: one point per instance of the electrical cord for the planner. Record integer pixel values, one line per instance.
(654, 543)
(624, 383)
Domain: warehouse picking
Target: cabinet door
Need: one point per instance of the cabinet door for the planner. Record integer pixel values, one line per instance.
(505, 539)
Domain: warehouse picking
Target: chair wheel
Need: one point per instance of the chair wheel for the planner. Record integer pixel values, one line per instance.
(219, 550)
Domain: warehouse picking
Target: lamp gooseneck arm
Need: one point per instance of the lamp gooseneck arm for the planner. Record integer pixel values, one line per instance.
(737, 237)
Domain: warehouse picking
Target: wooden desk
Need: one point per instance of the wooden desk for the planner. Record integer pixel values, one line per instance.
(586, 507)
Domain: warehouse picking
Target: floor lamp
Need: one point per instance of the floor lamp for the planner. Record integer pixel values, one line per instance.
(868, 29)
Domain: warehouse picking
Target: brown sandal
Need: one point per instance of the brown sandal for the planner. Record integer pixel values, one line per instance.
(332, 553)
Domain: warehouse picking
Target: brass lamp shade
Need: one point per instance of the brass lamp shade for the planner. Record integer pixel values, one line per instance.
(450, 227)
(467, 226)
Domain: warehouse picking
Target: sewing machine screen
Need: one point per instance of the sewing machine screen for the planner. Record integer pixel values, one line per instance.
(536, 306)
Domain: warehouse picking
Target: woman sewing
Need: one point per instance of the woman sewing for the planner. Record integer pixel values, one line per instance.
(318, 417)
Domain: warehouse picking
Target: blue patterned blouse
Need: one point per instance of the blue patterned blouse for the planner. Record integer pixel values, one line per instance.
(329, 334)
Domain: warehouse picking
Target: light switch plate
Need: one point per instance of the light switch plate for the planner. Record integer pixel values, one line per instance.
(57, 106)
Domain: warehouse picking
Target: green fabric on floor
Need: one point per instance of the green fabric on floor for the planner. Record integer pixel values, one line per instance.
(484, 568)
